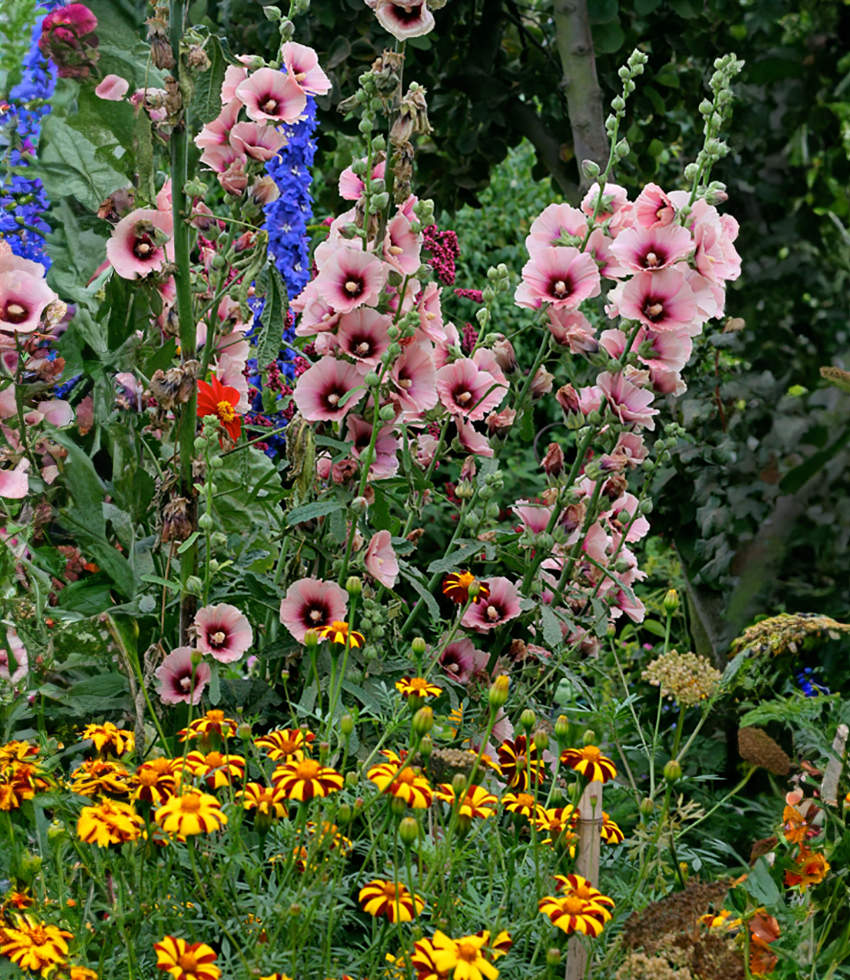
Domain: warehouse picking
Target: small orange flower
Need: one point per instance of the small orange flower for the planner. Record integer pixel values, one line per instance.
(456, 587)
(401, 781)
(220, 401)
(810, 869)
(610, 831)
(214, 722)
(108, 739)
(217, 770)
(266, 800)
(520, 761)
(391, 899)
(523, 803)
(306, 779)
(339, 632)
(192, 812)
(417, 687)
(590, 763)
(285, 743)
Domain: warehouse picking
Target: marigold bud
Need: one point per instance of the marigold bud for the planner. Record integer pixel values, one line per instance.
(527, 719)
(423, 720)
(671, 601)
(646, 806)
(354, 585)
(540, 740)
(398, 805)
(418, 646)
(562, 729)
(553, 956)
(346, 725)
(408, 831)
(672, 770)
(589, 737)
(498, 695)
(426, 747)
(344, 814)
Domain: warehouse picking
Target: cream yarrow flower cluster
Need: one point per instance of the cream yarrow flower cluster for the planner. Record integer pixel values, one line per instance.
(684, 677)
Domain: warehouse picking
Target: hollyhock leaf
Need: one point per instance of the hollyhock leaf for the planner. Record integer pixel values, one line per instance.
(458, 558)
(761, 885)
(206, 97)
(552, 635)
(76, 250)
(320, 508)
(421, 589)
(601, 11)
(70, 166)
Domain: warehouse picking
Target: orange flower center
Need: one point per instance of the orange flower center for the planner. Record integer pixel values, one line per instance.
(524, 799)
(467, 951)
(224, 410)
(406, 776)
(391, 890)
(573, 905)
(214, 759)
(190, 804)
(187, 962)
(591, 753)
(307, 769)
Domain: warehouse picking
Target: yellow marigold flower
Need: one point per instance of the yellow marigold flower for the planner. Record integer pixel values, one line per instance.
(17, 751)
(276, 976)
(82, 973)
(810, 868)
(580, 887)
(403, 782)
(34, 945)
(286, 743)
(192, 812)
(186, 962)
(214, 722)
(19, 781)
(109, 822)
(267, 800)
(609, 831)
(456, 587)
(501, 944)
(519, 762)
(157, 780)
(391, 899)
(722, 920)
(523, 803)
(215, 769)
(476, 802)
(339, 632)
(417, 687)
(20, 900)
(306, 779)
(573, 914)
(99, 776)
(590, 762)
(462, 958)
(108, 739)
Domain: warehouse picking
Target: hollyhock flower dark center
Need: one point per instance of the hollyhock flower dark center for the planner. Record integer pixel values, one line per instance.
(14, 313)
(493, 613)
(364, 348)
(315, 616)
(144, 245)
(411, 16)
(353, 286)
(217, 639)
(652, 261)
(270, 106)
(653, 309)
(463, 397)
(185, 683)
(560, 288)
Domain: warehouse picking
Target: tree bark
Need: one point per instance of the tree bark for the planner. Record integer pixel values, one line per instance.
(580, 83)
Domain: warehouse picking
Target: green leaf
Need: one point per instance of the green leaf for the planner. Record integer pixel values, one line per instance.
(602, 11)
(552, 635)
(214, 693)
(421, 589)
(608, 38)
(646, 6)
(319, 508)
(76, 250)
(206, 99)
(273, 317)
(761, 885)
(456, 558)
(70, 165)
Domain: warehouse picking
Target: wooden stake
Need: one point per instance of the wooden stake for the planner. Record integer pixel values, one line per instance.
(589, 828)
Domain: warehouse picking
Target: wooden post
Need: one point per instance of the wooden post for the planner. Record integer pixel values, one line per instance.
(829, 786)
(589, 829)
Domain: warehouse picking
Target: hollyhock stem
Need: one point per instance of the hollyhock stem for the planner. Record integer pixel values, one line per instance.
(187, 425)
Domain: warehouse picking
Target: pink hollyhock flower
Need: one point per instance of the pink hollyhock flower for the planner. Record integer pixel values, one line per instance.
(660, 300)
(629, 452)
(623, 512)
(271, 96)
(500, 422)
(710, 298)
(628, 402)
(14, 483)
(670, 349)
(181, 681)
(563, 277)
(55, 411)
(471, 439)
(68, 38)
(500, 606)
(23, 298)
(317, 315)
(223, 632)
(359, 434)
(534, 517)
(302, 65)
(235, 178)
(403, 18)
(380, 560)
(320, 389)
(716, 256)
(234, 75)
(572, 329)
(466, 390)
(363, 335)
(463, 662)
(651, 249)
(136, 247)
(311, 603)
(415, 379)
(350, 278)
(599, 246)
(653, 207)
(614, 197)
(585, 400)
(217, 132)
(152, 100)
(628, 603)
(554, 225)
(351, 186)
(113, 88)
(258, 142)
(431, 313)
(14, 662)
(402, 245)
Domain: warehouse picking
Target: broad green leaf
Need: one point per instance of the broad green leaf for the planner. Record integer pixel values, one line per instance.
(309, 512)
(456, 558)
(71, 166)
(761, 885)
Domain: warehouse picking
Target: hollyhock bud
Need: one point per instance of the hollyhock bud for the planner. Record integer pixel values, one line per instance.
(503, 351)
(553, 461)
(542, 383)
(68, 39)
(263, 191)
(568, 399)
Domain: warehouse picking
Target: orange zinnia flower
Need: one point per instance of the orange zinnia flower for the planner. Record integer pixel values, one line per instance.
(220, 401)
(810, 869)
